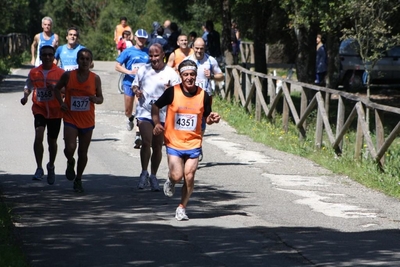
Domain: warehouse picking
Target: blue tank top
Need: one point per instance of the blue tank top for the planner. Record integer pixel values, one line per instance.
(43, 42)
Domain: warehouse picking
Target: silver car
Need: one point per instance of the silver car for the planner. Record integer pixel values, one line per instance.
(352, 77)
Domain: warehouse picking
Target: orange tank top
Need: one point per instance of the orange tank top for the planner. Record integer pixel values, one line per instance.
(119, 30)
(44, 101)
(183, 121)
(180, 56)
(80, 110)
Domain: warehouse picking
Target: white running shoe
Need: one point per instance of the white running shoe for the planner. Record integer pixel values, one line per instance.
(129, 125)
(169, 188)
(154, 184)
(180, 214)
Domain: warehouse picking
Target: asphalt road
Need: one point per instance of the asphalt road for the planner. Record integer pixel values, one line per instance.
(252, 205)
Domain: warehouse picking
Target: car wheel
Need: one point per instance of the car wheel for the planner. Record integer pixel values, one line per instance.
(353, 82)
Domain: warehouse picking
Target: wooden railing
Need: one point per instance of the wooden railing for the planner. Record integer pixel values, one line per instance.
(14, 43)
(249, 89)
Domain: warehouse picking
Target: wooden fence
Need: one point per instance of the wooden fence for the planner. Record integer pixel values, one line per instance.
(14, 44)
(249, 89)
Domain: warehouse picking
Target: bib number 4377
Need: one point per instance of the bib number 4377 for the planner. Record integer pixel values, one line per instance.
(80, 103)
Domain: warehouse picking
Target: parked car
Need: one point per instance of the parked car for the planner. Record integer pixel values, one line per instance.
(352, 77)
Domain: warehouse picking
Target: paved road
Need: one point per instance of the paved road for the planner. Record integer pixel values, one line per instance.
(252, 205)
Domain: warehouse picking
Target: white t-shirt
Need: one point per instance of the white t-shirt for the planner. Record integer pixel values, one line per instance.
(207, 63)
(152, 83)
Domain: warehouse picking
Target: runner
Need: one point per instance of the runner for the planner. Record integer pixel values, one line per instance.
(67, 54)
(120, 28)
(180, 53)
(82, 91)
(208, 71)
(128, 62)
(150, 82)
(47, 37)
(186, 105)
(46, 110)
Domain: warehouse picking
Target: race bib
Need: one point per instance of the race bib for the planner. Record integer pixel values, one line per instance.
(201, 83)
(80, 103)
(44, 94)
(70, 67)
(137, 65)
(185, 122)
(148, 103)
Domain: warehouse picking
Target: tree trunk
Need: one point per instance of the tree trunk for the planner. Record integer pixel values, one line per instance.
(260, 18)
(226, 32)
(305, 61)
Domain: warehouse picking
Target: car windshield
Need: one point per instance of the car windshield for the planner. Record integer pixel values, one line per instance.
(349, 47)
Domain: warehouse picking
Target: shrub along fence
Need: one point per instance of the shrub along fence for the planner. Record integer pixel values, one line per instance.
(250, 89)
(14, 44)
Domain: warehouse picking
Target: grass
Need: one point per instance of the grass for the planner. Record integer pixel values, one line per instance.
(11, 254)
(365, 171)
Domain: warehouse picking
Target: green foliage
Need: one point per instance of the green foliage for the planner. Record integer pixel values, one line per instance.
(370, 29)
(9, 62)
(14, 15)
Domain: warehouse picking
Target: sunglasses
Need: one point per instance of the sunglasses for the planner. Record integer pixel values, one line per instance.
(47, 55)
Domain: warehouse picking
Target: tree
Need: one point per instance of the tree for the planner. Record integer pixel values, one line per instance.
(371, 31)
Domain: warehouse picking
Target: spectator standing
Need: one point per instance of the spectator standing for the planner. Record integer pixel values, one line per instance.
(150, 82)
(47, 37)
(46, 110)
(213, 45)
(167, 30)
(235, 42)
(172, 39)
(192, 36)
(159, 39)
(187, 106)
(125, 42)
(320, 62)
(67, 54)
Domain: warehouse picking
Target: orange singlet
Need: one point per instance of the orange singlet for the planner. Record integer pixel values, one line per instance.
(183, 121)
(119, 30)
(80, 110)
(180, 56)
(44, 102)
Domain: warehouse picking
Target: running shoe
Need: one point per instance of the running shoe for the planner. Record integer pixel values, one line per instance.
(180, 214)
(138, 142)
(143, 180)
(154, 184)
(70, 171)
(129, 125)
(169, 188)
(38, 174)
(51, 175)
(78, 188)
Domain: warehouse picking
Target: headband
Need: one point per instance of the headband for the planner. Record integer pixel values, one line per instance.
(188, 68)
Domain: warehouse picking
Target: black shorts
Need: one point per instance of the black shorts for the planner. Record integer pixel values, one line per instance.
(53, 125)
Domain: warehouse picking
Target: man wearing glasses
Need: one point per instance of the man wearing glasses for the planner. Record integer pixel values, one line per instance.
(45, 108)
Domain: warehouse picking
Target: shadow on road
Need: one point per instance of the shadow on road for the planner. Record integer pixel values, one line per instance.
(114, 224)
